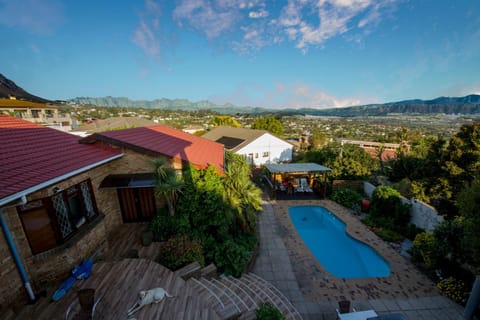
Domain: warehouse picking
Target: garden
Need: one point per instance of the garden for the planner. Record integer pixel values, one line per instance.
(442, 173)
(209, 217)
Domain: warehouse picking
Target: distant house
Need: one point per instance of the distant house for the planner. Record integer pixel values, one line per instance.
(378, 150)
(259, 147)
(61, 196)
(45, 114)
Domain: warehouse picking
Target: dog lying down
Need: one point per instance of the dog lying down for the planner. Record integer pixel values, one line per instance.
(146, 297)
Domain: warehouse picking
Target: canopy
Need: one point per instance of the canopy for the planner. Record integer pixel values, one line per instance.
(296, 168)
(136, 180)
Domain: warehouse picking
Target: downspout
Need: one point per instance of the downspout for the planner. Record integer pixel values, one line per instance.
(16, 257)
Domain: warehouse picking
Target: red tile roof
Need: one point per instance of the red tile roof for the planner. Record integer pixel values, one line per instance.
(31, 155)
(387, 154)
(163, 140)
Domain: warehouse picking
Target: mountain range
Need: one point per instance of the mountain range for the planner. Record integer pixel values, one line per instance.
(447, 105)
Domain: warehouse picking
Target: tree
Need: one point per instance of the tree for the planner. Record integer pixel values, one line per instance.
(225, 121)
(271, 124)
(468, 202)
(168, 184)
(317, 139)
(346, 161)
(240, 191)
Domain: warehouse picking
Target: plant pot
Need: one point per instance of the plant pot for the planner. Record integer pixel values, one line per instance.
(147, 238)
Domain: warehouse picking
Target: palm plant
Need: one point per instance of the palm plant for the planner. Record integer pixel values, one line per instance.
(168, 183)
(240, 192)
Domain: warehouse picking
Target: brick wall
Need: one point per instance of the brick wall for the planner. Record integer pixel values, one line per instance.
(55, 265)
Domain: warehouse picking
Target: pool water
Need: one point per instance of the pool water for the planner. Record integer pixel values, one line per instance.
(340, 254)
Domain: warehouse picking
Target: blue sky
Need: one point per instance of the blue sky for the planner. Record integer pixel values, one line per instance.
(301, 53)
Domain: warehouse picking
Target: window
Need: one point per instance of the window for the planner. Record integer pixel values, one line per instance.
(50, 221)
(256, 155)
(265, 154)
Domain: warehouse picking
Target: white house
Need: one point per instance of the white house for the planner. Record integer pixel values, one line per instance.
(258, 146)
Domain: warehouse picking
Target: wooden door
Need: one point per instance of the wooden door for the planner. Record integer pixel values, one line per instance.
(137, 204)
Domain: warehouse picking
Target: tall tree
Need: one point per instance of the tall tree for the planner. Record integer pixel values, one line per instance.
(225, 121)
(271, 124)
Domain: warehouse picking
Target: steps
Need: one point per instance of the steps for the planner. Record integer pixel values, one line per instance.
(239, 297)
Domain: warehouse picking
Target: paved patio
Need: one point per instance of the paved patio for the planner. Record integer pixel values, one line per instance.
(285, 261)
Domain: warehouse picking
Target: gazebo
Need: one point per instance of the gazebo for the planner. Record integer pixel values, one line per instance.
(297, 177)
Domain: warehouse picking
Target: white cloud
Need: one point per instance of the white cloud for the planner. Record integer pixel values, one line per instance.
(36, 16)
(144, 37)
(212, 19)
(147, 34)
(335, 17)
(293, 95)
(262, 13)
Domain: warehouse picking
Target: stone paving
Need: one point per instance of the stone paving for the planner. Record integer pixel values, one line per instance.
(285, 261)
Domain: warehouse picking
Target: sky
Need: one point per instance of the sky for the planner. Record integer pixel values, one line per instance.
(275, 54)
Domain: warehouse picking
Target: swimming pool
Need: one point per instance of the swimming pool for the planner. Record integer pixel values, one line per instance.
(340, 254)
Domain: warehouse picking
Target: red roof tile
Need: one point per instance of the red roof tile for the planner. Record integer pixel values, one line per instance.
(31, 154)
(163, 140)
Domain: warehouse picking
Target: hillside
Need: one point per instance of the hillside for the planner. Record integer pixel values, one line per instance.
(165, 104)
(9, 88)
(443, 105)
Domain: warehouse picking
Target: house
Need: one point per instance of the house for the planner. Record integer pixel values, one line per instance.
(132, 178)
(259, 147)
(378, 150)
(60, 197)
(45, 114)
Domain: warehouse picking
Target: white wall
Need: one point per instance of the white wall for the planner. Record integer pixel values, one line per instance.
(423, 215)
(278, 150)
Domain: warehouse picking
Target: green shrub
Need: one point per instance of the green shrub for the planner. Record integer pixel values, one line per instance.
(412, 231)
(347, 197)
(452, 288)
(426, 249)
(388, 209)
(266, 311)
(232, 256)
(179, 251)
(388, 235)
(165, 226)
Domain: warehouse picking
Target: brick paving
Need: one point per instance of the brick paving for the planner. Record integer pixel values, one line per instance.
(285, 261)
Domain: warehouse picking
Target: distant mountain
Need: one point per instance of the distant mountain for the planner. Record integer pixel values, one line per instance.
(9, 88)
(448, 105)
(166, 104)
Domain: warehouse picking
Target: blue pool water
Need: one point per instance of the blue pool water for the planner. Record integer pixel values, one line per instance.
(340, 254)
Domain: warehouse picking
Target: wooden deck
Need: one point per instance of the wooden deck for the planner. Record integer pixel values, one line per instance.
(128, 267)
(117, 285)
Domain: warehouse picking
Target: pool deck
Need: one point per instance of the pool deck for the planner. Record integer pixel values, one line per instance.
(287, 262)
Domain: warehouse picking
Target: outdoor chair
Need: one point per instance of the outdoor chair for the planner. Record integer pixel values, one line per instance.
(82, 308)
(343, 306)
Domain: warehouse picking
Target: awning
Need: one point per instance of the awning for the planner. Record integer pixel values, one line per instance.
(133, 180)
(296, 167)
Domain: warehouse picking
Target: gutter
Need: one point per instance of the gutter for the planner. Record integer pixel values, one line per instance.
(22, 195)
(45, 184)
(13, 250)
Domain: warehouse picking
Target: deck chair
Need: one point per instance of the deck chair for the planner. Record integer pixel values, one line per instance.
(82, 308)
(343, 306)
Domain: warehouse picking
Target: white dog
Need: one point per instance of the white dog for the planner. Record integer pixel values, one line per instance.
(146, 297)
